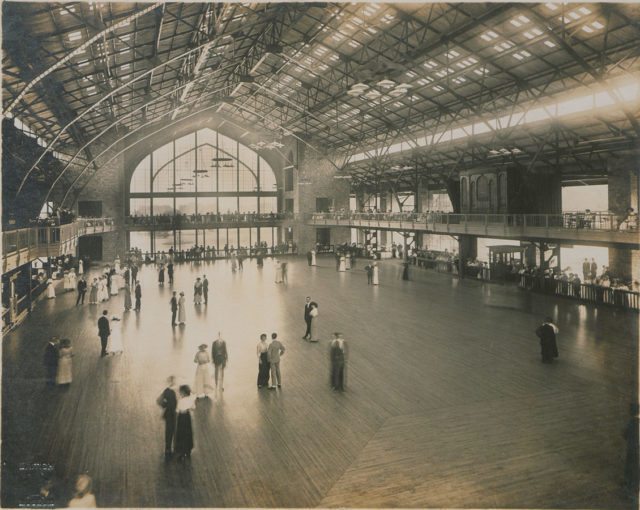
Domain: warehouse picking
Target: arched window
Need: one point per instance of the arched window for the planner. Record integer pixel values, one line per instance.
(464, 192)
(204, 172)
(472, 195)
(201, 172)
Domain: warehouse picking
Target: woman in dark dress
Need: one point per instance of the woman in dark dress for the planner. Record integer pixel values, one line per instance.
(161, 275)
(547, 334)
(263, 362)
(184, 431)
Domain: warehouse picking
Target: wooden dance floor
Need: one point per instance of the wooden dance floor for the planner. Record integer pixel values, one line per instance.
(447, 403)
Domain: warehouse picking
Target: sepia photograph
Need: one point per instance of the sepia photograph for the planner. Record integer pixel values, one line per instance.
(320, 255)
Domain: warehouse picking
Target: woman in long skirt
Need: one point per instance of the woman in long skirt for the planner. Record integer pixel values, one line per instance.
(115, 337)
(182, 315)
(343, 264)
(115, 284)
(314, 323)
(184, 431)
(73, 280)
(67, 281)
(127, 298)
(93, 293)
(161, 276)
(103, 290)
(263, 362)
(65, 354)
(51, 292)
(278, 267)
(234, 261)
(197, 292)
(376, 280)
(203, 382)
(80, 267)
(313, 257)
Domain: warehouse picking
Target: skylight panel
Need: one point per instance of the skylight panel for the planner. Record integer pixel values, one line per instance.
(323, 67)
(452, 54)
(354, 44)
(516, 23)
(398, 104)
(424, 81)
(430, 64)
(349, 26)
(83, 63)
(564, 19)
(524, 19)
(438, 88)
(75, 36)
(551, 6)
(488, 36)
(356, 20)
(518, 56)
(337, 37)
(574, 15)
(550, 43)
(372, 30)
(506, 45)
(411, 74)
(321, 50)
(588, 29)
(387, 18)
(67, 10)
(598, 25)
(528, 35)
(536, 31)
(334, 57)
(415, 98)
(584, 11)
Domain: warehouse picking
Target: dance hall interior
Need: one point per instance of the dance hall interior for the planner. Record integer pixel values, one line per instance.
(335, 255)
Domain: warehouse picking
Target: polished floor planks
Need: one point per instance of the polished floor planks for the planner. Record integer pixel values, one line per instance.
(447, 401)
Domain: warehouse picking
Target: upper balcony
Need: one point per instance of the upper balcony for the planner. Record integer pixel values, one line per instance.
(599, 229)
(207, 221)
(27, 244)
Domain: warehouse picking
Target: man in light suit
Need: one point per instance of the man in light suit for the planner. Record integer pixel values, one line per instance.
(274, 351)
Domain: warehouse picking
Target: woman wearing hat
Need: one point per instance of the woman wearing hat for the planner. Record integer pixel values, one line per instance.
(184, 430)
(203, 383)
(83, 497)
(182, 316)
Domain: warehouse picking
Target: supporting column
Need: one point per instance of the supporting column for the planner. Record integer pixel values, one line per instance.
(623, 177)
(467, 249)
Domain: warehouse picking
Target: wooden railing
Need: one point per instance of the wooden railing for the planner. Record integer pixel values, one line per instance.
(23, 245)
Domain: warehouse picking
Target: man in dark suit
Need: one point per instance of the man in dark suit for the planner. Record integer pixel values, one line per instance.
(337, 357)
(82, 290)
(104, 331)
(170, 271)
(174, 308)
(586, 270)
(593, 270)
(307, 318)
(205, 289)
(51, 361)
(168, 401)
(134, 274)
(138, 292)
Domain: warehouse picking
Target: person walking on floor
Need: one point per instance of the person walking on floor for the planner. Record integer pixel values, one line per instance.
(369, 269)
(182, 315)
(308, 305)
(220, 356)
(274, 351)
(104, 331)
(197, 291)
(134, 274)
(205, 289)
(82, 290)
(184, 430)
(161, 275)
(169, 402)
(170, 272)
(174, 308)
(337, 356)
(93, 293)
(138, 294)
(127, 298)
(547, 332)
(51, 361)
(203, 383)
(263, 362)
(64, 377)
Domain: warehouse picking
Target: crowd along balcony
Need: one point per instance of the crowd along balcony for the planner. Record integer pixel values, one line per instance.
(27, 244)
(208, 221)
(600, 229)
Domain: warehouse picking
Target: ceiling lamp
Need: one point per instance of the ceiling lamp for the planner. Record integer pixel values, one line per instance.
(372, 94)
(387, 84)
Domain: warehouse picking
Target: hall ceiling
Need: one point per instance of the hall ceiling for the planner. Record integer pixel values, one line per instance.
(340, 77)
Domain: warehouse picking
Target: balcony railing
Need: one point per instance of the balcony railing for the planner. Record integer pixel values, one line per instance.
(205, 220)
(23, 245)
(596, 227)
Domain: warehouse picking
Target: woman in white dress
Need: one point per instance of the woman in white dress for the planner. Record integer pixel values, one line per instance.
(80, 267)
(375, 274)
(51, 292)
(73, 280)
(347, 261)
(103, 291)
(67, 281)
(65, 354)
(115, 345)
(204, 382)
(278, 267)
(342, 266)
(313, 313)
(182, 316)
(313, 257)
(115, 284)
(117, 264)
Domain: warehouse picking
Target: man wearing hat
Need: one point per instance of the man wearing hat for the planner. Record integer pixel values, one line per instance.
(547, 332)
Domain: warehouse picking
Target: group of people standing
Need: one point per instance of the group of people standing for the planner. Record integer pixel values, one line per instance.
(57, 361)
(206, 382)
(177, 303)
